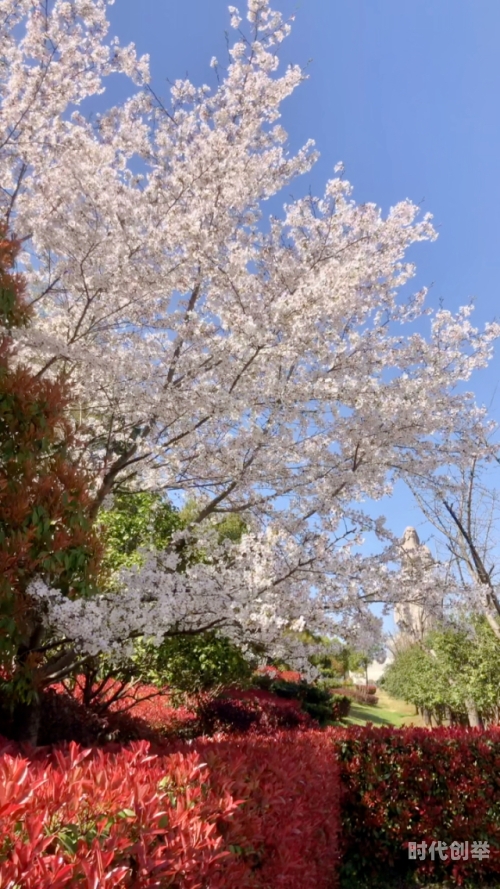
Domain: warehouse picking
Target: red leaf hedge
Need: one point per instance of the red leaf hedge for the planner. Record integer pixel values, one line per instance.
(253, 710)
(413, 785)
(366, 689)
(361, 694)
(247, 812)
(286, 832)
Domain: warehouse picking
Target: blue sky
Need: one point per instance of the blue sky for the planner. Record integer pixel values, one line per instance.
(406, 94)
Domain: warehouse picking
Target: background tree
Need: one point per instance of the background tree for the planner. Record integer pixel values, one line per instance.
(333, 662)
(467, 519)
(453, 675)
(413, 677)
(359, 660)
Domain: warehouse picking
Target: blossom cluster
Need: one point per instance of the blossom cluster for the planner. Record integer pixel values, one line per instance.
(241, 590)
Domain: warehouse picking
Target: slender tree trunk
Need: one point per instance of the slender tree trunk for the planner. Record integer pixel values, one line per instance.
(475, 720)
(426, 713)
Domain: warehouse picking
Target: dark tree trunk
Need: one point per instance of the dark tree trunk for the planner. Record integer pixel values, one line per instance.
(26, 721)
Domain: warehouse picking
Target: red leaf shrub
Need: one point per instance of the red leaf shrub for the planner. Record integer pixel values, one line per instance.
(45, 499)
(151, 718)
(108, 818)
(65, 718)
(366, 689)
(250, 812)
(275, 673)
(286, 832)
(413, 785)
(110, 693)
(289, 676)
(358, 693)
(140, 715)
(255, 711)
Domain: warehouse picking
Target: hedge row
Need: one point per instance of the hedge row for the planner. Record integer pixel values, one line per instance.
(367, 689)
(360, 694)
(247, 812)
(413, 785)
(257, 812)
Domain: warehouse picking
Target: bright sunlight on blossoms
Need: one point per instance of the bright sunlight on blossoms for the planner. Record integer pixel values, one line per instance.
(271, 367)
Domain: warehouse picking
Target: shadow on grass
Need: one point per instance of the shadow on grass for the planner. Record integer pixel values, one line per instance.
(364, 715)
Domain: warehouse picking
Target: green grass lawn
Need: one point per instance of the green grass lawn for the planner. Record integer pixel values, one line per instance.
(388, 711)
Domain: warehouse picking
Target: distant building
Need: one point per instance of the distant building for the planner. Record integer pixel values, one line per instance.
(374, 671)
(412, 619)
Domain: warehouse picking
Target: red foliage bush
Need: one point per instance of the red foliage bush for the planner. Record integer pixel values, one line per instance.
(45, 498)
(143, 714)
(289, 676)
(256, 711)
(46, 505)
(366, 689)
(287, 829)
(274, 673)
(413, 785)
(358, 693)
(248, 812)
(65, 718)
(151, 717)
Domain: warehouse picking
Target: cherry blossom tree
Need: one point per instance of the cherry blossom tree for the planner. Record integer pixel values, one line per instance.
(465, 513)
(273, 367)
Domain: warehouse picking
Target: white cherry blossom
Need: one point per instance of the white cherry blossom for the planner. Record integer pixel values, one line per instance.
(271, 366)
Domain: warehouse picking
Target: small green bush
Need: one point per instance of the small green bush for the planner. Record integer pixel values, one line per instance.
(315, 700)
(341, 705)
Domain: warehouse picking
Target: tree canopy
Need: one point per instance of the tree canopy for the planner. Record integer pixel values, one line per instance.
(274, 368)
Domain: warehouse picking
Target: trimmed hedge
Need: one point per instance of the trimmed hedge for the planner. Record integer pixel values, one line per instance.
(360, 693)
(413, 785)
(366, 689)
(247, 812)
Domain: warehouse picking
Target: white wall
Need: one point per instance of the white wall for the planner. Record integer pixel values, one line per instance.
(375, 671)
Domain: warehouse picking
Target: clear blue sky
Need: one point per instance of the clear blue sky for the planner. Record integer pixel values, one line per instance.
(406, 94)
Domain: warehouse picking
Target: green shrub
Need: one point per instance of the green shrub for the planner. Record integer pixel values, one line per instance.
(341, 705)
(316, 700)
